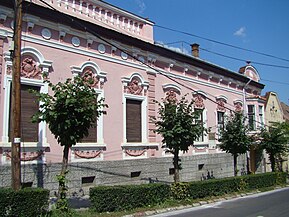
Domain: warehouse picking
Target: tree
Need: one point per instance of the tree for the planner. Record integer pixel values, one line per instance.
(69, 113)
(275, 141)
(178, 125)
(234, 137)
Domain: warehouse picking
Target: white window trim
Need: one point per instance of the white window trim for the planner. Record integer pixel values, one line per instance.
(255, 117)
(42, 125)
(217, 126)
(99, 128)
(77, 70)
(144, 141)
(205, 121)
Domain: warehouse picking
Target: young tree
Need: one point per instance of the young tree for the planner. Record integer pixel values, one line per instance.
(69, 112)
(177, 123)
(275, 141)
(234, 138)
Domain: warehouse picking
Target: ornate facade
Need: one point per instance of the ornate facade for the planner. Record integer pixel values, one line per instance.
(113, 51)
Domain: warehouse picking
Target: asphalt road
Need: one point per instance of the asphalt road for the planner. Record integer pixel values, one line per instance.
(269, 204)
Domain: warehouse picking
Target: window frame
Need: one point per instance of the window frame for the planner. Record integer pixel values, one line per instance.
(251, 117)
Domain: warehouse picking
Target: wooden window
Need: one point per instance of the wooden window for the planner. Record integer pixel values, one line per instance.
(221, 120)
(133, 120)
(92, 132)
(29, 106)
(200, 120)
(251, 117)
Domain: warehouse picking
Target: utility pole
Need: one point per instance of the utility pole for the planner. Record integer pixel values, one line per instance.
(16, 98)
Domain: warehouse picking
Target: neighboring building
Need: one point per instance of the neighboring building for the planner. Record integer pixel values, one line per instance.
(285, 109)
(130, 72)
(273, 109)
(273, 114)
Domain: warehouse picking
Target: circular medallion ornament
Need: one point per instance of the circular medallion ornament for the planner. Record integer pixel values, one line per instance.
(75, 41)
(46, 33)
(101, 48)
(123, 55)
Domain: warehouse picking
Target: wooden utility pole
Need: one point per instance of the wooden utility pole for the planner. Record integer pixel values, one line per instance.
(16, 98)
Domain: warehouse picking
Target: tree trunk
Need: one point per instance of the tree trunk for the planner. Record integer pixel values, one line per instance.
(62, 178)
(176, 166)
(64, 160)
(272, 159)
(235, 165)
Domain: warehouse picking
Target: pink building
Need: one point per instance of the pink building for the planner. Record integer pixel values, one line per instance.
(116, 48)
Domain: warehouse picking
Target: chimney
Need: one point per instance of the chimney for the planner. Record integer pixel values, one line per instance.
(195, 49)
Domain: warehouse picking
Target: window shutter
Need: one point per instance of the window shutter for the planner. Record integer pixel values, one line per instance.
(29, 106)
(92, 134)
(133, 120)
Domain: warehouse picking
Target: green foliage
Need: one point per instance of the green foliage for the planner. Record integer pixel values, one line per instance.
(70, 111)
(243, 185)
(275, 141)
(62, 202)
(117, 198)
(180, 190)
(177, 124)
(27, 202)
(234, 138)
(127, 197)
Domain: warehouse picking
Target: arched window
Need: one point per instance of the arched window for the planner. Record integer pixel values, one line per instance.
(33, 135)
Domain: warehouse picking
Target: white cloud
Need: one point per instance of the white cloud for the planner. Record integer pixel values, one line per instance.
(141, 5)
(241, 32)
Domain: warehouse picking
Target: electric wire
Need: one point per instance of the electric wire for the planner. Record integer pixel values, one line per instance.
(238, 59)
(222, 43)
(254, 62)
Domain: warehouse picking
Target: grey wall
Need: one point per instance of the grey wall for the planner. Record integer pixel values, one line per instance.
(119, 172)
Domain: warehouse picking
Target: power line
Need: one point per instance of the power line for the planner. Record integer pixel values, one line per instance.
(278, 82)
(254, 62)
(222, 43)
(238, 59)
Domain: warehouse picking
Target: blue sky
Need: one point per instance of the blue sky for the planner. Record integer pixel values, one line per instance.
(259, 25)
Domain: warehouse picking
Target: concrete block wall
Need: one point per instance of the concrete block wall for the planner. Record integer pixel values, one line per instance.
(84, 175)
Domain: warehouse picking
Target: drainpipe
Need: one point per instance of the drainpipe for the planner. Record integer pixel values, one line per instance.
(245, 115)
(244, 98)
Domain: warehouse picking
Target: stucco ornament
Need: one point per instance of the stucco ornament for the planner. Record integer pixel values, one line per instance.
(90, 78)
(199, 102)
(29, 68)
(87, 154)
(135, 153)
(27, 156)
(133, 87)
(238, 107)
(221, 105)
(171, 96)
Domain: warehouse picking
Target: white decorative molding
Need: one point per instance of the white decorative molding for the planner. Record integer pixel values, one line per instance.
(75, 41)
(223, 97)
(175, 87)
(46, 33)
(124, 56)
(101, 48)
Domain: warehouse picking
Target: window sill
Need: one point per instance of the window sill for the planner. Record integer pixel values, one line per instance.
(139, 144)
(26, 145)
(89, 145)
